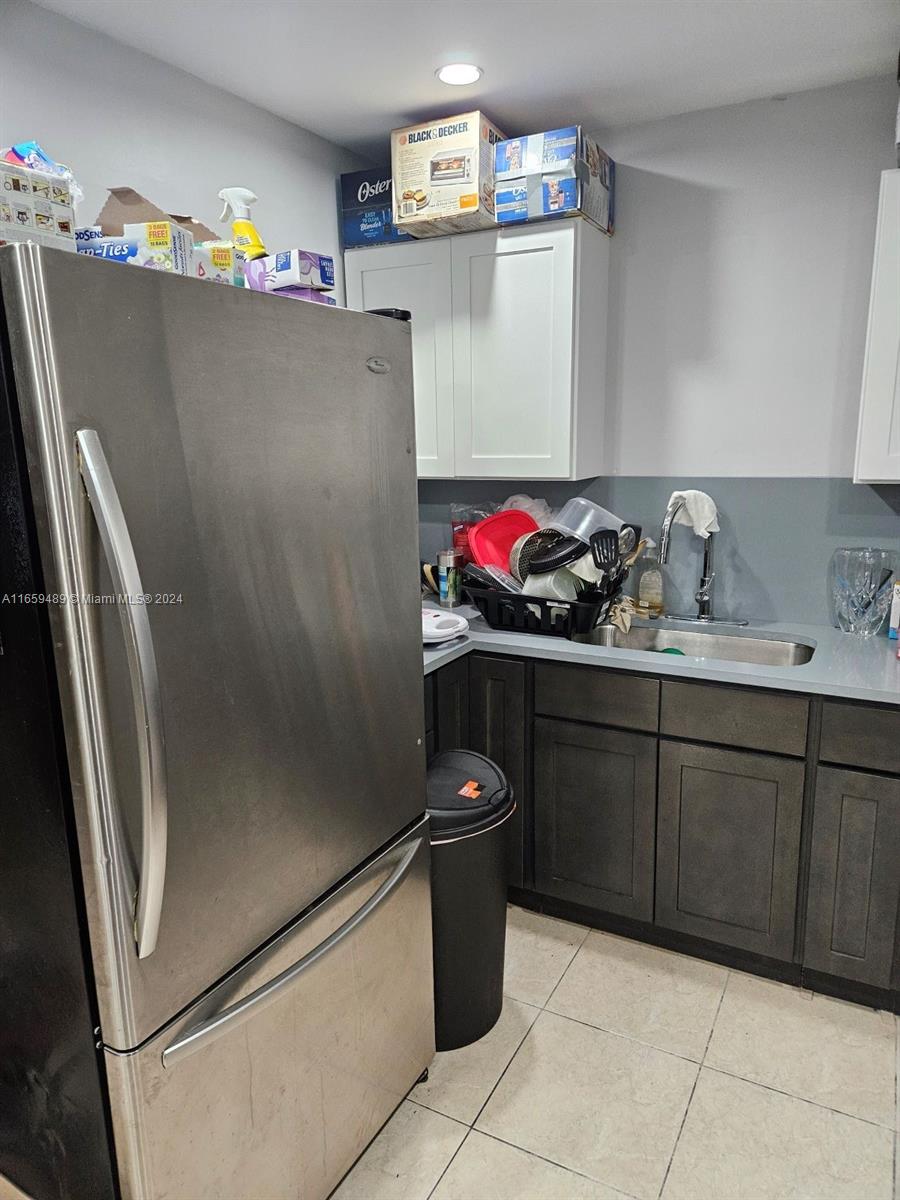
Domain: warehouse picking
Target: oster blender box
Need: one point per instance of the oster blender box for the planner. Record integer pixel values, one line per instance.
(443, 175)
(366, 217)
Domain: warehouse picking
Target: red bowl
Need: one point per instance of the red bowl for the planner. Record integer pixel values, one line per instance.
(491, 540)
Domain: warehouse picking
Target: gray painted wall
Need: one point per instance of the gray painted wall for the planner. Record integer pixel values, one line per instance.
(772, 553)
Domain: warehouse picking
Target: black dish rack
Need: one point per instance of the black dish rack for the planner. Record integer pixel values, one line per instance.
(529, 614)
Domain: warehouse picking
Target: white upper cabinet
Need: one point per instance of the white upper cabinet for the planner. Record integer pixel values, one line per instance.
(878, 440)
(416, 276)
(524, 392)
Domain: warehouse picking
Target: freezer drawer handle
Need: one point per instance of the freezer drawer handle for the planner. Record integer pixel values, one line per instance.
(126, 579)
(201, 1035)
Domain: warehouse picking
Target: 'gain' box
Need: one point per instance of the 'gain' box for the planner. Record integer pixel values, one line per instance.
(443, 175)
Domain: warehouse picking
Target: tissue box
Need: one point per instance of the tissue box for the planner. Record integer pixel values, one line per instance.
(219, 262)
(366, 214)
(560, 173)
(160, 245)
(443, 175)
(35, 207)
(290, 268)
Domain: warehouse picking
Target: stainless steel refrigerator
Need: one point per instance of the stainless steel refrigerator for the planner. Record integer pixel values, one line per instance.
(215, 932)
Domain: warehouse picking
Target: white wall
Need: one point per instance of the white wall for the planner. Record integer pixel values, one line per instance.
(120, 118)
(740, 280)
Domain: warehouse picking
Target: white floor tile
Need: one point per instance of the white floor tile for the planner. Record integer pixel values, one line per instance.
(667, 1000)
(485, 1169)
(837, 1054)
(743, 1142)
(602, 1105)
(538, 950)
(459, 1081)
(406, 1159)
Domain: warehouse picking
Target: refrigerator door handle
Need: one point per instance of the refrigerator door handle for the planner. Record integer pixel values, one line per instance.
(126, 579)
(201, 1035)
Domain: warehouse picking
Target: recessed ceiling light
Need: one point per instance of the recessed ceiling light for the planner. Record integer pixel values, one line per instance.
(459, 74)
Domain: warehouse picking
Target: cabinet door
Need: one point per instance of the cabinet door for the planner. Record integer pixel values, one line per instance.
(451, 701)
(513, 352)
(416, 276)
(728, 842)
(878, 438)
(854, 877)
(497, 729)
(594, 806)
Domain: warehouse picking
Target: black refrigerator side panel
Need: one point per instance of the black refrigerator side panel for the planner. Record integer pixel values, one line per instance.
(54, 1139)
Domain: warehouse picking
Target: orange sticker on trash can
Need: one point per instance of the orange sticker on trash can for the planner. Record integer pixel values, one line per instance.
(471, 790)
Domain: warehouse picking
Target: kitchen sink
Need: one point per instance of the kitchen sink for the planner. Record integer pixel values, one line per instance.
(766, 650)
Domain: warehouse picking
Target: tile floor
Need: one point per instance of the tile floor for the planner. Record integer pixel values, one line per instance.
(620, 1070)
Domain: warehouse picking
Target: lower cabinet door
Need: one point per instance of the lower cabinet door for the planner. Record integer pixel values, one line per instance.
(451, 706)
(594, 808)
(728, 846)
(854, 876)
(274, 1082)
(497, 729)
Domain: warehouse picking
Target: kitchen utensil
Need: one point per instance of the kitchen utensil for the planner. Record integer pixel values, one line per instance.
(859, 588)
(580, 517)
(564, 552)
(527, 547)
(450, 565)
(491, 540)
(557, 585)
(605, 550)
(503, 579)
(628, 538)
(473, 574)
(440, 626)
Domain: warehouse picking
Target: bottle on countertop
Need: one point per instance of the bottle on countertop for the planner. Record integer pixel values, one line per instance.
(244, 232)
(649, 591)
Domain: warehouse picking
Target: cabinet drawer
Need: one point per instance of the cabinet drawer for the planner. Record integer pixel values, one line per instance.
(602, 697)
(861, 736)
(754, 720)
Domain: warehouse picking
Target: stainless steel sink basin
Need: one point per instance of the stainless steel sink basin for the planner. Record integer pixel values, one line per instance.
(769, 651)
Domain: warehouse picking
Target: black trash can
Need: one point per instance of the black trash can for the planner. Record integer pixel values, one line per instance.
(469, 802)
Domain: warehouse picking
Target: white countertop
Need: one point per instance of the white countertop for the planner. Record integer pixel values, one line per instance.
(843, 665)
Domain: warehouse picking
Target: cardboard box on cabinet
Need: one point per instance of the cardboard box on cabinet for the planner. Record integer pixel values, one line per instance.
(443, 175)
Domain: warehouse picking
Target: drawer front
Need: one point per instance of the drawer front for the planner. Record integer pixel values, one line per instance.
(854, 878)
(860, 736)
(601, 697)
(753, 720)
(728, 846)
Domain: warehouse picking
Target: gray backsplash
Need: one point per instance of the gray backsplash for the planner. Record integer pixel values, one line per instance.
(772, 554)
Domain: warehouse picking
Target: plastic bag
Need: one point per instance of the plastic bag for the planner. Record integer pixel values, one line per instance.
(539, 509)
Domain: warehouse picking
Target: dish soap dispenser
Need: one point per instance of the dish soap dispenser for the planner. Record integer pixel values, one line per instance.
(649, 589)
(243, 231)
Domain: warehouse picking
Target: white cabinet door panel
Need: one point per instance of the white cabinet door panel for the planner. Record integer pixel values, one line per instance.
(416, 276)
(512, 351)
(878, 441)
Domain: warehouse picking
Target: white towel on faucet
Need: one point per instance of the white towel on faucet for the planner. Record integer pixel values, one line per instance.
(699, 511)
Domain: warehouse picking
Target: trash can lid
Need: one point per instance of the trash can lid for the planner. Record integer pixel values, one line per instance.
(467, 793)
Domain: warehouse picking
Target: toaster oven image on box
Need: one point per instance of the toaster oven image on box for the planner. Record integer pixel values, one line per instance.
(454, 166)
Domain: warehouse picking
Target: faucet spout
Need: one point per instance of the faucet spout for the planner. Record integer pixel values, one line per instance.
(666, 529)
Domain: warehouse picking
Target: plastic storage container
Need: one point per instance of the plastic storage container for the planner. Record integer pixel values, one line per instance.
(469, 802)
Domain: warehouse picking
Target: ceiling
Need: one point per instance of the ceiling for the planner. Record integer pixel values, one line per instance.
(351, 70)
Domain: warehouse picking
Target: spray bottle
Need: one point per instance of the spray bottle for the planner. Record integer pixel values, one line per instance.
(243, 231)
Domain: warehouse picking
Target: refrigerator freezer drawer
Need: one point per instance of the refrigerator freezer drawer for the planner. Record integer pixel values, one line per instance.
(274, 1083)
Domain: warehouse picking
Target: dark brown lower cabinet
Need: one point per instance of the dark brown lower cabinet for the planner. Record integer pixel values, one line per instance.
(594, 813)
(728, 843)
(854, 878)
(451, 706)
(497, 729)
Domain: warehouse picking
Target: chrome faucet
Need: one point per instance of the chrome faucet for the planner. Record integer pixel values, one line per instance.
(703, 595)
